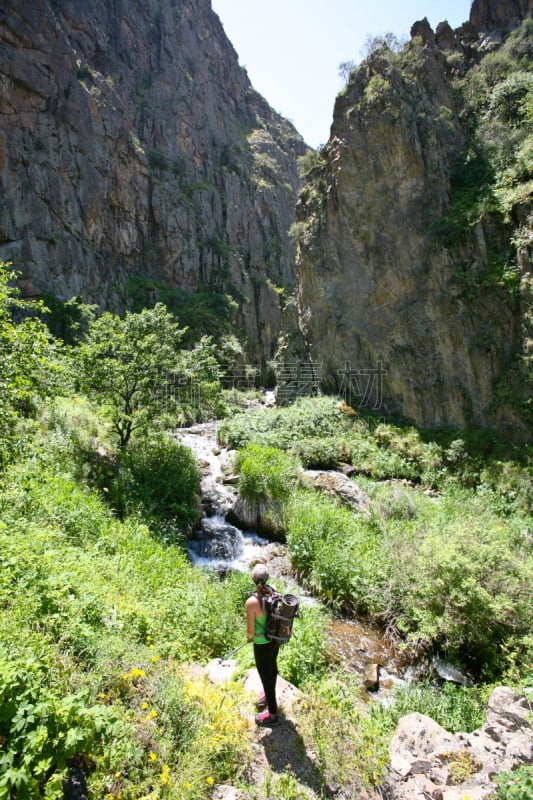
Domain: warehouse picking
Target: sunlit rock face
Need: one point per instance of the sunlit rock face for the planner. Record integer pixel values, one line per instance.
(389, 313)
(133, 147)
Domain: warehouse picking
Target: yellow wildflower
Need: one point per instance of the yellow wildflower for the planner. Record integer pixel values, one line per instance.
(144, 706)
(210, 780)
(153, 756)
(165, 774)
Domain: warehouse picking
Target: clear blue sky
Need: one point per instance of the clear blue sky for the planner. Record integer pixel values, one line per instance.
(292, 48)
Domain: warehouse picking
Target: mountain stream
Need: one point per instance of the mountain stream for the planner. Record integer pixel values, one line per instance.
(354, 645)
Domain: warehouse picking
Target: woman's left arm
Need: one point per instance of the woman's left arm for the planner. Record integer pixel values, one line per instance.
(250, 618)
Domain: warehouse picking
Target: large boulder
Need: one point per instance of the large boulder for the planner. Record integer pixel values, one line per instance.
(428, 761)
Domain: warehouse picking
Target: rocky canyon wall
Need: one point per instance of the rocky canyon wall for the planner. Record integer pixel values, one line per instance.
(389, 312)
(132, 146)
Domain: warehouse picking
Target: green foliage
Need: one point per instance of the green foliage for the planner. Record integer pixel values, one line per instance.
(350, 741)
(456, 708)
(68, 320)
(202, 313)
(265, 473)
(461, 584)
(41, 732)
(38, 492)
(158, 478)
(335, 553)
(324, 452)
(492, 178)
(30, 366)
(517, 785)
(131, 365)
(285, 428)
(472, 182)
(303, 659)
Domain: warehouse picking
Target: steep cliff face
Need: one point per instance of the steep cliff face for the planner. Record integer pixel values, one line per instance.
(132, 145)
(402, 304)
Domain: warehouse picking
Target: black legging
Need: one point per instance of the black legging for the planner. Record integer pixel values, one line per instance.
(266, 661)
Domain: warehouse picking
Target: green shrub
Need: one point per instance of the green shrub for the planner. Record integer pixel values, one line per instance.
(303, 659)
(203, 617)
(461, 585)
(160, 478)
(336, 553)
(41, 731)
(265, 473)
(517, 785)
(285, 427)
(456, 708)
(54, 500)
(322, 453)
(350, 741)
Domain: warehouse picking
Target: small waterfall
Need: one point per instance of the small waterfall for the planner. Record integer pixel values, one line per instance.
(221, 546)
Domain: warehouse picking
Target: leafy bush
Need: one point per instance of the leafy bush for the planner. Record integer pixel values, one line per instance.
(159, 477)
(303, 659)
(265, 473)
(517, 785)
(336, 553)
(462, 585)
(350, 741)
(30, 367)
(54, 500)
(285, 427)
(41, 731)
(322, 453)
(456, 708)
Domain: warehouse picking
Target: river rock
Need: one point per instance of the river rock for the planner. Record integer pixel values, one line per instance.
(371, 677)
(340, 486)
(223, 792)
(423, 754)
(261, 516)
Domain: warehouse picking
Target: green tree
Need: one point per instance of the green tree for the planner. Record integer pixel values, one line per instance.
(29, 359)
(131, 364)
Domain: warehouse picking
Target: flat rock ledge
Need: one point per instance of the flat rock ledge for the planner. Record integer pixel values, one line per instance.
(428, 762)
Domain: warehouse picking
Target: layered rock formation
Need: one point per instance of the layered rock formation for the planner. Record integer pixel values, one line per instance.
(393, 315)
(429, 762)
(132, 146)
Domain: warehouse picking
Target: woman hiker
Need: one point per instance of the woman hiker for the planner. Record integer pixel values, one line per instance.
(265, 650)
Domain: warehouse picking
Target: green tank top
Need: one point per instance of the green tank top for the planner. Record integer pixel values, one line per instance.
(259, 629)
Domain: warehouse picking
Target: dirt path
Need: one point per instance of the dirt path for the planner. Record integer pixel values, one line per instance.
(279, 754)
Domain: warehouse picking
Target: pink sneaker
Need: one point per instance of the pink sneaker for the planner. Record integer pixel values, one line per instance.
(266, 719)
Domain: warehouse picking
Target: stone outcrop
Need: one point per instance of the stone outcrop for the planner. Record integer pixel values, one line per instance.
(390, 315)
(499, 15)
(337, 485)
(426, 761)
(135, 154)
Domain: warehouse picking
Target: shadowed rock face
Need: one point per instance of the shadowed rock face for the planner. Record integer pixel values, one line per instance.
(382, 310)
(132, 144)
(503, 15)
